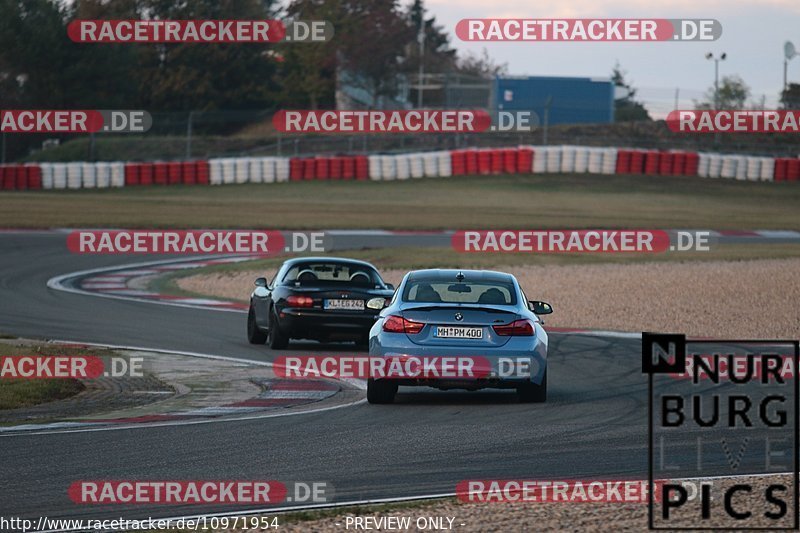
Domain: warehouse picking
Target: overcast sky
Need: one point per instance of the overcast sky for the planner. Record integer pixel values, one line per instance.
(753, 36)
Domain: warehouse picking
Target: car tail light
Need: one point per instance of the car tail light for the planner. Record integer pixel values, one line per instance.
(518, 328)
(398, 324)
(300, 301)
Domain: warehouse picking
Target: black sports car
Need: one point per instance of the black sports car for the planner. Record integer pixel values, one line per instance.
(320, 298)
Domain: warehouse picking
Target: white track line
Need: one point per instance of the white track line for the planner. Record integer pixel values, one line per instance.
(58, 282)
(145, 425)
(598, 333)
(379, 501)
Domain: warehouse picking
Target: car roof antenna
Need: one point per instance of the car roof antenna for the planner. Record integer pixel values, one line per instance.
(460, 276)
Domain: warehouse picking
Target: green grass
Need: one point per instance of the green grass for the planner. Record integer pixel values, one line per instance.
(506, 201)
(16, 393)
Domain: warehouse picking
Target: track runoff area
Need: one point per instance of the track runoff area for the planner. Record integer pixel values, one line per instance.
(683, 491)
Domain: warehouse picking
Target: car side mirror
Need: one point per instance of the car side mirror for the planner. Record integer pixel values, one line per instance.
(261, 282)
(540, 308)
(389, 286)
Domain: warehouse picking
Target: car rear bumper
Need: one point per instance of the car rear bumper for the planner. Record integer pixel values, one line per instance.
(522, 359)
(297, 322)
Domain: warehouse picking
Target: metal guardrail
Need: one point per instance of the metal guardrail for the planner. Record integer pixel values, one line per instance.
(182, 136)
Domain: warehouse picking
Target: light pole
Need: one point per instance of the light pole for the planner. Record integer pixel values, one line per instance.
(716, 75)
(789, 52)
(421, 39)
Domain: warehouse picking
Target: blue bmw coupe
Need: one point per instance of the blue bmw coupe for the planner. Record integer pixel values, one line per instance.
(463, 314)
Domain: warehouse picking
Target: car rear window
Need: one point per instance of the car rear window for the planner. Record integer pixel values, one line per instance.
(327, 273)
(470, 292)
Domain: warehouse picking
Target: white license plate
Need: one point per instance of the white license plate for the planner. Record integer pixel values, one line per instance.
(457, 332)
(353, 305)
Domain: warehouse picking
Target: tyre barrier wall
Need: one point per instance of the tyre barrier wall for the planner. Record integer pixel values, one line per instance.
(77, 175)
(385, 167)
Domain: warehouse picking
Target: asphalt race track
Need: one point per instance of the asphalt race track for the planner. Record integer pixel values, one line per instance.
(593, 426)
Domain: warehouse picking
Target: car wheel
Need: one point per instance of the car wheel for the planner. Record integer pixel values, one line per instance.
(381, 391)
(533, 393)
(254, 335)
(276, 338)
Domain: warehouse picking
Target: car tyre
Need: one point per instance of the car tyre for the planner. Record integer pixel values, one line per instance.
(381, 391)
(254, 335)
(276, 338)
(533, 393)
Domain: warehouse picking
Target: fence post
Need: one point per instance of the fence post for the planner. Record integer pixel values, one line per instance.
(189, 136)
(547, 104)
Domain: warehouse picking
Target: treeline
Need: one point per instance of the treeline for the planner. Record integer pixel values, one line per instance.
(375, 41)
